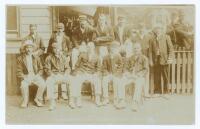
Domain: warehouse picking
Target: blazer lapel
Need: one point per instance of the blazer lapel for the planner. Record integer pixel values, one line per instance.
(25, 62)
(34, 64)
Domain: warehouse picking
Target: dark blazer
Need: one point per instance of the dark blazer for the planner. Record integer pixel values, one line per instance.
(66, 44)
(22, 66)
(55, 64)
(165, 48)
(39, 44)
(105, 36)
(78, 36)
(117, 36)
(105, 67)
(117, 65)
(84, 65)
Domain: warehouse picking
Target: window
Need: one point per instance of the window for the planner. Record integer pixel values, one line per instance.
(12, 19)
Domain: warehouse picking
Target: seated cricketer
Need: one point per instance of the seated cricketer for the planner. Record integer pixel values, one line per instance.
(117, 76)
(86, 69)
(58, 71)
(30, 70)
(106, 73)
(135, 71)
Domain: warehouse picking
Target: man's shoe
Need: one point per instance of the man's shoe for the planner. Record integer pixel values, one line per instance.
(64, 96)
(56, 95)
(24, 104)
(122, 104)
(97, 101)
(52, 105)
(38, 103)
(134, 107)
(78, 102)
(71, 103)
(105, 101)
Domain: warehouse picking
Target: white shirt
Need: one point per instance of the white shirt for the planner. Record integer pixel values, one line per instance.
(29, 64)
(59, 38)
(121, 31)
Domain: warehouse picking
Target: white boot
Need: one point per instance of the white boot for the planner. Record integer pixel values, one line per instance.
(71, 102)
(105, 101)
(52, 105)
(56, 95)
(97, 101)
(64, 95)
(122, 104)
(134, 106)
(78, 102)
(38, 103)
(25, 95)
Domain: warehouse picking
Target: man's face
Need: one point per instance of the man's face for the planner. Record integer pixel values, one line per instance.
(33, 30)
(133, 34)
(137, 49)
(121, 21)
(91, 47)
(102, 21)
(83, 23)
(114, 50)
(29, 49)
(56, 50)
(158, 30)
(103, 51)
(60, 30)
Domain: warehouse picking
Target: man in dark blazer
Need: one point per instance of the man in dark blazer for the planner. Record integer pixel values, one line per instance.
(160, 55)
(120, 30)
(104, 34)
(82, 35)
(29, 71)
(62, 39)
(64, 45)
(36, 39)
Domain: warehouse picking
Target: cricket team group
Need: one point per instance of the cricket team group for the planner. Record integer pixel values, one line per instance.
(99, 55)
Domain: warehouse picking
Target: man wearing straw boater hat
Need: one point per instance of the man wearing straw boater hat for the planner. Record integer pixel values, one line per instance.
(30, 70)
(160, 55)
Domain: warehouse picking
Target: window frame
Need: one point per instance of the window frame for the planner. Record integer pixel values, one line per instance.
(17, 30)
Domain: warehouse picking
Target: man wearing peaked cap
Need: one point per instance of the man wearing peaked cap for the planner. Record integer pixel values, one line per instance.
(60, 26)
(30, 71)
(120, 30)
(82, 17)
(61, 39)
(81, 36)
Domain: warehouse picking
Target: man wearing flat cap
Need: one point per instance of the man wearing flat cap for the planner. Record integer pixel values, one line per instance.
(63, 40)
(81, 36)
(39, 47)
(30, 70)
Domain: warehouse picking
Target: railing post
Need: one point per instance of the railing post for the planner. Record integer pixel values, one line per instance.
(184, 71)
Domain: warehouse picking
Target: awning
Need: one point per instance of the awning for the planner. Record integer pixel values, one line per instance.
(88, 10)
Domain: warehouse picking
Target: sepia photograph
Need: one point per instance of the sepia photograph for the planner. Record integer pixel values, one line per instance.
(100, 64)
